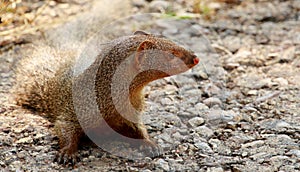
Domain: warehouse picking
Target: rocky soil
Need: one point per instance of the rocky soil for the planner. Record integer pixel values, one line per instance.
(238, 110)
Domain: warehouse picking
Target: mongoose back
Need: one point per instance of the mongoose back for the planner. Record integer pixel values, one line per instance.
(46, 84)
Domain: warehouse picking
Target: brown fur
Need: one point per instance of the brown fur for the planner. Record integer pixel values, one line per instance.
(47, 85)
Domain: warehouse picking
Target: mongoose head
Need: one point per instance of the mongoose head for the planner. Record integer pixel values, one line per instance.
(162, 56)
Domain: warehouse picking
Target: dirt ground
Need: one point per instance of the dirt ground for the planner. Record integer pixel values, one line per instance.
(238, 110)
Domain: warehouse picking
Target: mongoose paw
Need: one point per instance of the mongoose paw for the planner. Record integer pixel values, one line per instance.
(151, 149)
(65, 158)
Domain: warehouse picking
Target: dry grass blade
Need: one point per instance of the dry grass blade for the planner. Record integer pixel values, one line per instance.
(3, 5)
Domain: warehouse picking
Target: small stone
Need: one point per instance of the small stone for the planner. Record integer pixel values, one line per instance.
(215, 169)
(212, 101)
(147, 170)
(252, 93)
(281, 81)
(19, 129)
(201, 107)
(288, 54)
(39, 148)
(39, 135)
(294, 152)
(139, 3)
(282, 124)
(231, 65)
(259, 157)
(166, 137)
(250, 109)
(204, 131)
(85, 159)
(159, 6)
(196, 121)
(91, 157)
(172, 119)
(170, 89)
(162, 164)
(24, 140)
(244, 154)
(166, 101)
(203, 146)
(253, 144)
(211, 89)
(217, 117)
(21, 154)
(233, 43)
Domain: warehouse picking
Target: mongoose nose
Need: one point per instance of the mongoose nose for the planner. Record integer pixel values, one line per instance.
(196, 60)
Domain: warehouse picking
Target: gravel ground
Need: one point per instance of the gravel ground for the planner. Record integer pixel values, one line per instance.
(238, 110)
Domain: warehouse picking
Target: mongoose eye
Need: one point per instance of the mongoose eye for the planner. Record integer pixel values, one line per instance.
(170, 56)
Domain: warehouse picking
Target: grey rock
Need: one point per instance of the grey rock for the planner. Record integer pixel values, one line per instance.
(162, 164)
(212, 101)
(201, 107)
(159, 6)
(281, 81)
(217, 117)
(204, 131)
(253, 144)
(139, 3)
(215, 169)
(203, 147)
(196, 121)
(288, 54)
(295, 152)
(25, 140)
(173, 119)
(147, 170)
(211, 90)
(233, 43)
(167, 101)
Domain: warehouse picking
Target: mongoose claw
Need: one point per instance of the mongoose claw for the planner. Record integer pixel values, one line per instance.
(151, 149)
(65, 159)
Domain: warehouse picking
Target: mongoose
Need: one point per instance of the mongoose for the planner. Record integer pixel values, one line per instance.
(113, 83)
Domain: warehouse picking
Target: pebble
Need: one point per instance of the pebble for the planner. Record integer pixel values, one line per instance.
(233, 43)
(219, 117)
(173, 119)
(204, 131)
(139, 3)
(282, 124)
(295, 152)
(281, 81)
(252, 92)
(211, 89)
(288, 55)
(162, 164)
(212, 101)
(215, 169)
(167, 101)
(24, 140)
(196, 121)
(19, 130)
(147, 170)
(253, 144)
(203, 146)
(159, 6)
(201, 107)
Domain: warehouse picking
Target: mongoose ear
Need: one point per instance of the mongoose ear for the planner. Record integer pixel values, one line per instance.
(139, 32)
(141, 52)
(145, 45)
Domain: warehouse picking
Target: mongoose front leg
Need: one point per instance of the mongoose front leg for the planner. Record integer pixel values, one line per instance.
(146, 145)
(69, 135)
